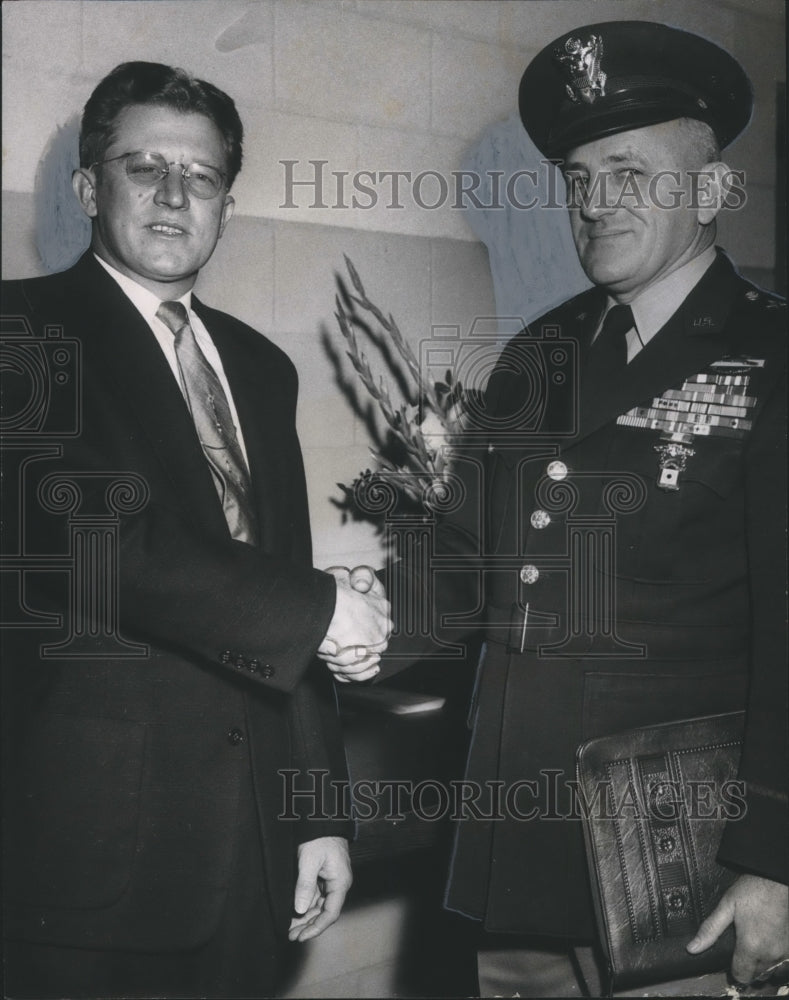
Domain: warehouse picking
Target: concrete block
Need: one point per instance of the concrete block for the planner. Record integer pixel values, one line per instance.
(56, 29)
(421, 204)
(462, 288)
(205, 38)
(295, 192)
(353, 542)
(239, 278)
(20, 258)
(773, 9)
(468, 18)
(535, 23)
(474, 84)
(394, 270)
(334, 63)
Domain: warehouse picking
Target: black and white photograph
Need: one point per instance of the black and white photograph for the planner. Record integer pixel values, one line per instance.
(394, 499)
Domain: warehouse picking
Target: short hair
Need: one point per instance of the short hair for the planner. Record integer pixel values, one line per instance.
(141, 83)
(702, 139)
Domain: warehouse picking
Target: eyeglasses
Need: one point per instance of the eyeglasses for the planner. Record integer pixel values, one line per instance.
(148, 169)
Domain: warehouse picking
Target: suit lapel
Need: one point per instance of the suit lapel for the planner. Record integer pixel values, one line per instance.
(134, 360)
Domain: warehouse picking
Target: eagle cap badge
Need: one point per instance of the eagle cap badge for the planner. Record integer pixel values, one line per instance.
(581, 63)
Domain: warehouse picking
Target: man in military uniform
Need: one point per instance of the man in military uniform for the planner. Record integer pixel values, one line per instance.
(680, 409)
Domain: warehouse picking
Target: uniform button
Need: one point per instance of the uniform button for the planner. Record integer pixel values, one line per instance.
(253, 666)
(267, 670)
(235, 736)
(224, 656)
(240, 661)
(540, 519)
(529, 574)
(557, 470)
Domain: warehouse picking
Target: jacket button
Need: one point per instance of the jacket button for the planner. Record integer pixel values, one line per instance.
(557, 470)
(540, 519)
(529, 574)
(235, 736)
(676, 902)
(267, 670)
(666, 844)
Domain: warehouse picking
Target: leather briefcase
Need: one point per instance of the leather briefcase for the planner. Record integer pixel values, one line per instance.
(654, 804)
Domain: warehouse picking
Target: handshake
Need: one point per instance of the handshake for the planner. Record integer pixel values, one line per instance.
(360, 628)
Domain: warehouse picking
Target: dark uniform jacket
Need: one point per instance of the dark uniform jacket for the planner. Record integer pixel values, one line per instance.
(125, 772)
(641, 604)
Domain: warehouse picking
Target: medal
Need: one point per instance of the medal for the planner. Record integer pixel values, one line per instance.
(673, 461)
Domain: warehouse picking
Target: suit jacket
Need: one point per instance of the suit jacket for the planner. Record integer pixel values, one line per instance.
(125, 772)
(692, 579)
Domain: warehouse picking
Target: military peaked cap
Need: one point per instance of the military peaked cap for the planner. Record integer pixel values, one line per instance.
(605, 78)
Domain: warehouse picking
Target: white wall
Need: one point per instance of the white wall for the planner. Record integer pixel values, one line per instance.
(365, 85)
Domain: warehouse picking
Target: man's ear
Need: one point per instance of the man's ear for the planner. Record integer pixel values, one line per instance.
(84, 184)
(711, 193)
(227, 212)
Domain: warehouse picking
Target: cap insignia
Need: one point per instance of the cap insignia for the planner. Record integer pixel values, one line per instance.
(580, 62)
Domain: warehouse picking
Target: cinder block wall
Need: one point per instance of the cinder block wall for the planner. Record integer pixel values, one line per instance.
(379, 85)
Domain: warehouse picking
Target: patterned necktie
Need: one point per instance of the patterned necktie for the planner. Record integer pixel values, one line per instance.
(213, 423)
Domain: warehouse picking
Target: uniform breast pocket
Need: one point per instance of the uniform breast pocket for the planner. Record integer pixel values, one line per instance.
(689, 529)
(73, 832)
(717, 465)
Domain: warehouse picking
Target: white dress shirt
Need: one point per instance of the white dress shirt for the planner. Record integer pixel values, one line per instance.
(147, 305)
(655, 306)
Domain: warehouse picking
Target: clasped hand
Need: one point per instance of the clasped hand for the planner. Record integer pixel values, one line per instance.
(360, 628)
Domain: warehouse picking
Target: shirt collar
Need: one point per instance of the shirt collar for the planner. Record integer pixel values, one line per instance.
(146, 302)
(655, 306)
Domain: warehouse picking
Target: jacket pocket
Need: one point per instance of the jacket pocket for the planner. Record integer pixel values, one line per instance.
(73, 832)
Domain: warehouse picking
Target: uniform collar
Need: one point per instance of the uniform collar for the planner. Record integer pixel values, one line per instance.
(653, 308)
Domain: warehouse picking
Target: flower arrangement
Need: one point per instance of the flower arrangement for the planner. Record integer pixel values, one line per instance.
(416, 452)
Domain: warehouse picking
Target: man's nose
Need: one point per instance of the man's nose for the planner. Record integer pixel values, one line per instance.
(598, 198)
(171, 189)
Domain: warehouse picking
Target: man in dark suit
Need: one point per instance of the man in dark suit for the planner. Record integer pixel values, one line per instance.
(144, 850)
(677, 446)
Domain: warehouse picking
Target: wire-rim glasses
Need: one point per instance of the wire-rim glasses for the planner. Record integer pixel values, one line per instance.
(148, 169)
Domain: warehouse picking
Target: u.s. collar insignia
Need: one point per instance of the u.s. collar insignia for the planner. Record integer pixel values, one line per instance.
(581, 63)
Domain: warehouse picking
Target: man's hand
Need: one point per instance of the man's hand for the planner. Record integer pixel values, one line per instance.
(759, 910)
(322, 885)
(360, 628)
